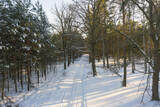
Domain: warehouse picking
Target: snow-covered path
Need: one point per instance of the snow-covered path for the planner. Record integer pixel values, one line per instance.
(79, 89)
(71, 90)
(68, 92)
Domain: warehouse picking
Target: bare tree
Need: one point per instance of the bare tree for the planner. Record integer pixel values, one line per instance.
(154, 23)
(88, 11)
(151, 11)
(64, 26)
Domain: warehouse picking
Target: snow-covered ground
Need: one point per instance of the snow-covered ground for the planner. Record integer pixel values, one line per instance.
(77, 88)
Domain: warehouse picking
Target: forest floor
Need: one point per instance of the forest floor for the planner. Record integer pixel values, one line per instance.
(77, 88)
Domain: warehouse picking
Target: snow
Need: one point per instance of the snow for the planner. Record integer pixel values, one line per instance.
(23, 28)
(26, 47)
(24, 35)
(53, 46)
(77, 88)
(156, 36)
(39, 45)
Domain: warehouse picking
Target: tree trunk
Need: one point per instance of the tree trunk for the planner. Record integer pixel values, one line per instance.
(90, 58)
(54, 67)
(30, 68)
(8, 78)
(155, 84)
(3, 86)
(28, 72)
(145, 59)
(44, 68)
(156, 54)
(107, 57)
(125, 70)
(103, 53)
(64, 55)
(133, 62)
(21, 77)
(132, 52)
(15, 78)
(93, 61)
(113, 51)
(50, 67)
(37, 74)
(64, 52)
(118, 46)
(149, 52)
(69, 57)
(25, 73)
(124, 51)
(73, 56)
(18, 75)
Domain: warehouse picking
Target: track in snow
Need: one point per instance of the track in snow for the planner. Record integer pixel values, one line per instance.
(75, 90)
(69, 92)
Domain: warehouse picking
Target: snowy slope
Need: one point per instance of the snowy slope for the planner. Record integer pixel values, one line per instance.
(79, 89)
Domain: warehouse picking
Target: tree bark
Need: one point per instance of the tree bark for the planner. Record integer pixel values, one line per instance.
(93, 61)
(37, 74)
(90, 56)
(18, 75)
(132, 52)
(124, 51)
(155, 84)
(3, 86)
(103, 53)
(8, 78)
(133, 62)
(21, 77)
(73, 56)
(69, 56)
(107, 57)
(44, 68)
(156, 68)
(15, 78)
(25, 73)
(118, 50)
(64, 53)
(28, 72)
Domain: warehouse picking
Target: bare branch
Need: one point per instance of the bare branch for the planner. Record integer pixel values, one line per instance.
(141, 9)
(141, 50)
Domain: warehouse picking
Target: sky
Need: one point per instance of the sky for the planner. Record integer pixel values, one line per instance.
(49, 4)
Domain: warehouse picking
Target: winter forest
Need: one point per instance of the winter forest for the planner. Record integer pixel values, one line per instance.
(95, 53)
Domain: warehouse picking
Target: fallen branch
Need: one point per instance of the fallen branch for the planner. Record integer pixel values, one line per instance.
(9, 99)
(115, 70)
(150, 61)
(117, 74)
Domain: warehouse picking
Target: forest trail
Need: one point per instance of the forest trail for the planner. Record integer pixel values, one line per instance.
(79, 89)
(66, 92)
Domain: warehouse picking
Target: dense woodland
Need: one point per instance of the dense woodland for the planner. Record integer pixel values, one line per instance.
(118, 29)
